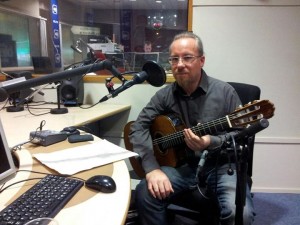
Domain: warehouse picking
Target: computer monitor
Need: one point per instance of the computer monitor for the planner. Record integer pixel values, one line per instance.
(7, 167)
(42, 65)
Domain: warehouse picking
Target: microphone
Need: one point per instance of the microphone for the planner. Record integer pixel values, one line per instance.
(76, 49)
(252, 129)
(151, 71)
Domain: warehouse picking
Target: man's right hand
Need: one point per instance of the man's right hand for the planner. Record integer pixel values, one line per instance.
(159, 184)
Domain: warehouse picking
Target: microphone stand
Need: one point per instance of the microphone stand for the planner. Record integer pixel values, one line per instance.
(241, 183)
(58, 110)
(15, 107)
(244, 138)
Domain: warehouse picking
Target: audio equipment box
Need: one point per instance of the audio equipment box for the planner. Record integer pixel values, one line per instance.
(47, 137)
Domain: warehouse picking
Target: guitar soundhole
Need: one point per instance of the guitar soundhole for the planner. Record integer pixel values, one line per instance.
(160, 144)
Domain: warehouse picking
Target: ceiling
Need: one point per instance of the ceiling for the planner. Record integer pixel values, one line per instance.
(131, 4)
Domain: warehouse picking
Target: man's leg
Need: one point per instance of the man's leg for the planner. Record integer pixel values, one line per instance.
(152, 211)
(226, 194)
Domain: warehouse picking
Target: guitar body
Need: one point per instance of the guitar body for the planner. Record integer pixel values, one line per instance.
(134, 161)
(163, 126)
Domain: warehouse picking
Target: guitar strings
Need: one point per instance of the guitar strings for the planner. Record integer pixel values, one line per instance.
(178, 137)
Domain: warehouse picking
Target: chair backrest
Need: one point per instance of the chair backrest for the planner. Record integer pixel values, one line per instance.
(247, 93)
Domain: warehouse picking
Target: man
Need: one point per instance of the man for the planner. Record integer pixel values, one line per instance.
(197, 98)
(147, 46)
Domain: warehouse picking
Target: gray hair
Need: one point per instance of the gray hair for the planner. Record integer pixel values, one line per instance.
(188, 34)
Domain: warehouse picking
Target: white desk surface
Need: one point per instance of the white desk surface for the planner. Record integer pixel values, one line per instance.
(17, 125)
(87, 206)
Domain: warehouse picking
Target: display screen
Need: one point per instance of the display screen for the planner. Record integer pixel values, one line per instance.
(4, 163)
(7, 167)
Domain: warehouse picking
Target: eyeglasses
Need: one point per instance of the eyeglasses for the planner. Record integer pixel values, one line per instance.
(187, 59)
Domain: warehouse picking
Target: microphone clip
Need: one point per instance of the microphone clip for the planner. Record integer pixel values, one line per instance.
(109, 85)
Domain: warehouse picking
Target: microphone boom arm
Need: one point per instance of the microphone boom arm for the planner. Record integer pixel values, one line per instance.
(55, 77)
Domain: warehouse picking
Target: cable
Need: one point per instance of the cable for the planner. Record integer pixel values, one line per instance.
(4, 106)
(61, 175)
(88, 107)
(40, 128)
(201, 192)
(36, 178)
(41, 114)
(230, 170)
(18, 146)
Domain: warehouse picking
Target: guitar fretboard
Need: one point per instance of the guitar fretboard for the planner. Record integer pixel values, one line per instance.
(177, 138)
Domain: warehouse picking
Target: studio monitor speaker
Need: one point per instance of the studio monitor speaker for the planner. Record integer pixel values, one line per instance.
(72, 91)
(20, 96)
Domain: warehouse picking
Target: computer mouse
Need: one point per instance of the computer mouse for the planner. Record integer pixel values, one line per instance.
(101, 183)
(70, 130)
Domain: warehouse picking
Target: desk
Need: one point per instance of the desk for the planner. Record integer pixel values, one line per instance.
(17, 125)
(86, 207)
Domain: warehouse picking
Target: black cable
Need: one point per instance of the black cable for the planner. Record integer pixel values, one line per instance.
(235, 152)
(237, 167)
(20, 181)
(61, 175)
(41, 114)
(40, 128)
(36, 178)
(97, 60)
(88, 107)
(4, 106)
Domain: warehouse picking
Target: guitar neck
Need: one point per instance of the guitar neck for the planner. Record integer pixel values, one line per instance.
(211, 127)
(177, 138)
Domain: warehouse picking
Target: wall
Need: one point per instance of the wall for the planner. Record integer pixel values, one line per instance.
(258, 42)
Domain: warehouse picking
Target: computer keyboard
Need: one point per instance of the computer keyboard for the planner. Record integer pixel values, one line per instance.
(45, 199)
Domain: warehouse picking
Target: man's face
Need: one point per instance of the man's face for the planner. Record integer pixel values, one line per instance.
(186, 73)
(147, 47)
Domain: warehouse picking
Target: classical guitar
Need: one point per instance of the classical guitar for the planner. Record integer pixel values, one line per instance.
(167, 131)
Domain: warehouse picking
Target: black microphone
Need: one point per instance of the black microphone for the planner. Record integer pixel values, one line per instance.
(137, 79)
(252, 129)
(152, 72)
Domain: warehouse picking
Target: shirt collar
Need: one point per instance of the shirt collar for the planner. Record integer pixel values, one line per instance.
(201, 90)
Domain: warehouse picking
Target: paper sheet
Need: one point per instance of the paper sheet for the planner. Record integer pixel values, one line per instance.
(74, 160)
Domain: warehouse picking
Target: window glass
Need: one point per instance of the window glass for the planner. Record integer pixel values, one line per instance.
(14, 41)
(126, 31)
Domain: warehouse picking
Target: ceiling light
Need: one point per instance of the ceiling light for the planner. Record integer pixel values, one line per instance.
(158, 1)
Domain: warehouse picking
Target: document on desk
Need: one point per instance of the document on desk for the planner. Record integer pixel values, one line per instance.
(73, 160)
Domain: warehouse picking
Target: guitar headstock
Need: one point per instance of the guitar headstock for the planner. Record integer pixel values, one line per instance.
(251, 113)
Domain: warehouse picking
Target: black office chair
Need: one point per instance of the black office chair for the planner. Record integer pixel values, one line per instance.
(191, 205)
